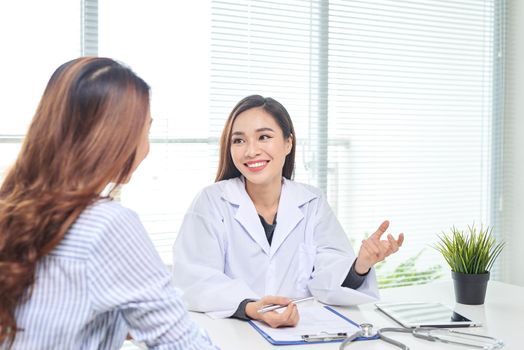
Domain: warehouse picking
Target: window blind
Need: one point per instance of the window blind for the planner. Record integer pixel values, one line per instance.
(183, 154)
(89, 28)
(398, 97)
(396, 104)
(36, 37)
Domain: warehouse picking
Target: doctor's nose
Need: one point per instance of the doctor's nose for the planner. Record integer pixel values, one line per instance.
(252, 150)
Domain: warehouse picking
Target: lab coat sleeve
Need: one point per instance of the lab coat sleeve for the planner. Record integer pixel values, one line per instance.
(199, 256)
(333, 259)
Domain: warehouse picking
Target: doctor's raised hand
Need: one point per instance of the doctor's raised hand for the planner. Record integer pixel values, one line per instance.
(256, 237)
(374, 250)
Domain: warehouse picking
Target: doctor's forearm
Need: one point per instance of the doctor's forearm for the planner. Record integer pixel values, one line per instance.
(241, 310)
(353, 279)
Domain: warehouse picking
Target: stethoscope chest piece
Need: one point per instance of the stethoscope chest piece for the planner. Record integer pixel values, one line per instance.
(367, 330)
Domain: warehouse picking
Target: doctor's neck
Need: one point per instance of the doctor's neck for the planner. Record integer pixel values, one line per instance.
(265, 196)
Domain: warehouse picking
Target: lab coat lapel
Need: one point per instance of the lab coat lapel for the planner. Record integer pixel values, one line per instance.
(289, 214)
(246, 214)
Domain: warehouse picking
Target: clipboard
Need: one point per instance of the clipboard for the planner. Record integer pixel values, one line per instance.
(316, 337)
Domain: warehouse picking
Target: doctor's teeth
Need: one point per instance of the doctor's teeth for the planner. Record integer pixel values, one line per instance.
(254, 165)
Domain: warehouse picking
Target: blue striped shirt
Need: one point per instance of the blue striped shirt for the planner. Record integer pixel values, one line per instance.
(104, 280)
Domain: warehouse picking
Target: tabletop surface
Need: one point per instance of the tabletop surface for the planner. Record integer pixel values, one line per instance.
(502, 317)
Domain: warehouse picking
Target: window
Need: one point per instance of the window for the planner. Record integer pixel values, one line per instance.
(152, 38)
(394, 104)
(33, 46)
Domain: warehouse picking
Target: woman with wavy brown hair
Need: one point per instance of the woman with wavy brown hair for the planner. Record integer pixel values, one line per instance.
(77, 270)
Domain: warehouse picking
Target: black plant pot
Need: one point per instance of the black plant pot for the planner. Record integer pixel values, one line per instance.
(470, 288)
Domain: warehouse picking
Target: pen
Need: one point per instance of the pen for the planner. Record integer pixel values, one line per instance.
(277, 307)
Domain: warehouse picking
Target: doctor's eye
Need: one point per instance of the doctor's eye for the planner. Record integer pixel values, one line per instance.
(265, 137)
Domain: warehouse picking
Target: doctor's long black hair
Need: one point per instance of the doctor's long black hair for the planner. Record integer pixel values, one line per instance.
(226, 167)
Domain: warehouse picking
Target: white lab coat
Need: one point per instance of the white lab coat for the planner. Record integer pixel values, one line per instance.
(222, 256)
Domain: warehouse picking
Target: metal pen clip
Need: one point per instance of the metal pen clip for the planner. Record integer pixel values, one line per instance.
(324, 336)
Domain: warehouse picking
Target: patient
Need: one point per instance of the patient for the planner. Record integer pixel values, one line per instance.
(77, 270)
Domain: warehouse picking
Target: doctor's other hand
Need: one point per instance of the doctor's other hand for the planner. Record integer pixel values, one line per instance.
(275, 319)
(374, 250)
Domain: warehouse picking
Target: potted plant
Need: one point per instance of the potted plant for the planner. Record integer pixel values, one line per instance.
(470, 256)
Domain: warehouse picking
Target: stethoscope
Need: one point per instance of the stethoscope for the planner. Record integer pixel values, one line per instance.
(433, 334)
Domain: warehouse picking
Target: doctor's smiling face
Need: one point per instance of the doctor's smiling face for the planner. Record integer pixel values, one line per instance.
(258, 141)
(259, 147)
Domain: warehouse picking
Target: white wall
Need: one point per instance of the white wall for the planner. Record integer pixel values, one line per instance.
(513, 187)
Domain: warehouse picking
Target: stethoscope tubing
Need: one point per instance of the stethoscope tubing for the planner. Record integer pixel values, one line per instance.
(392, 341)
(418, 333)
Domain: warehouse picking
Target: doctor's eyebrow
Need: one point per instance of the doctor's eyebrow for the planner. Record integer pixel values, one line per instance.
(257, 130)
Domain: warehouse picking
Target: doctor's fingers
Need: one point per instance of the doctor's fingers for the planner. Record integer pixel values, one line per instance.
(380, 231)
(274, 299)
(293, 317)
(372, 246)
(289, 317)
(400, 239)
(392, 245)
(375, 251)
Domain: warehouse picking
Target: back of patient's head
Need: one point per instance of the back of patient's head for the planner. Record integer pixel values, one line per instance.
(86, 127)
(84, 135)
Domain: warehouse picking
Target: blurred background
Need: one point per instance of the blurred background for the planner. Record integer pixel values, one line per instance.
(406, 111)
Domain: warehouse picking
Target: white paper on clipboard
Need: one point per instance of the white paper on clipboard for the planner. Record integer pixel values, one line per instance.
(315, 319)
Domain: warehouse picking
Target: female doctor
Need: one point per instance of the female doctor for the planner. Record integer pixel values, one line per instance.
(256, 237)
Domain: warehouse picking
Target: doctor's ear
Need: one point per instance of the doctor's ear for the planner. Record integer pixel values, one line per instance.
(289, 144)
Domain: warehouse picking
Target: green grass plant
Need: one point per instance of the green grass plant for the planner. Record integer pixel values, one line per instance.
(469, 252)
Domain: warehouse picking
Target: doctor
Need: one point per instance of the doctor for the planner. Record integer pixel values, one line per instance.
(256, 237)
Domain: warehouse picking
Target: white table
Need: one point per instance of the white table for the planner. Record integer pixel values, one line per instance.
(502, 317)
